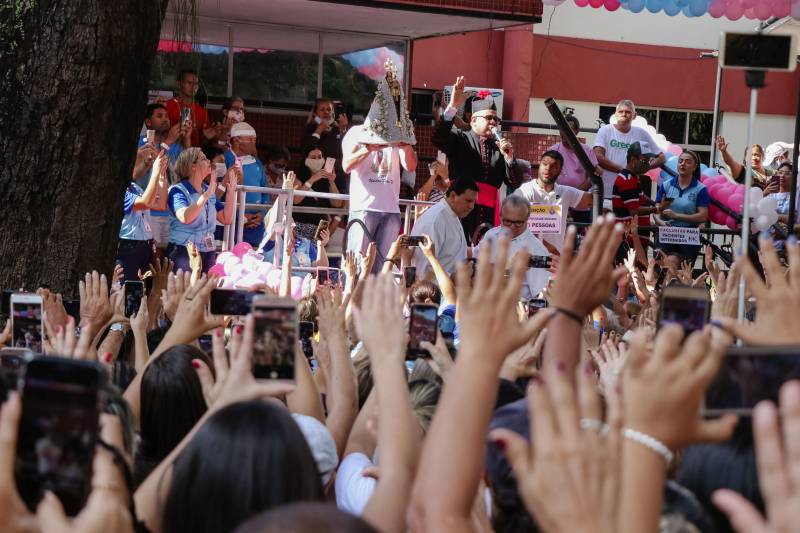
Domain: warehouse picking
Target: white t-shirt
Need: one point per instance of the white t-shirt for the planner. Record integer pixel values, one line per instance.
(563, 195)
(616, 145)
(375, 181)
(353, 490)
(444, 228)
(535, 278)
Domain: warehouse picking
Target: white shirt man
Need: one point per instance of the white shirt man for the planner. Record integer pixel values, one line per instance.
(613, 140)
(442, 223)
(545, 191)
(514, 220)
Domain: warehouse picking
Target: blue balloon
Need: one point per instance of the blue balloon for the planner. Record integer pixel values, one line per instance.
(686, 11)
(654, 6)
(636, 5)
(682, 3)
(703, 168)
(698, 8)
(671, 8)
(672, 162)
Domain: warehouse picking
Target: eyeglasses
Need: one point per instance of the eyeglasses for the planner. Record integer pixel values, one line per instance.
(490, 118)
(515, 223)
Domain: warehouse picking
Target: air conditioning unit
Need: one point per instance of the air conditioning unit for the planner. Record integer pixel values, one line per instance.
(497, 94)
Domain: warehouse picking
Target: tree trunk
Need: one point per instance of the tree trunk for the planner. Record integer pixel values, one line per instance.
(72, 97)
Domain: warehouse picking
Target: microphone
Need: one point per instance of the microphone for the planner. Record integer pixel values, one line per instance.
(497, 135)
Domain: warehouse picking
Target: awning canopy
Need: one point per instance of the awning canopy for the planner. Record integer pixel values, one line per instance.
(333, 27)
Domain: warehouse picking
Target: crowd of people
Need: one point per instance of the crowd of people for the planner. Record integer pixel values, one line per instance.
(550, 397)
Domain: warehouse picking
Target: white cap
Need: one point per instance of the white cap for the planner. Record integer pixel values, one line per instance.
(242, 129)
(321, 443)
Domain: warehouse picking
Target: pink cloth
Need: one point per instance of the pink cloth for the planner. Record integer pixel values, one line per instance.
(573, 174)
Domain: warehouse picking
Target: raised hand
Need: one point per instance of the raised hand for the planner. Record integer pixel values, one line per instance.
(96, 307)
(379, 318)
(610, 359)
(778, 302)
(569, 480)
(62, 341)
(53, 308)
(778, 460)
(458, 97)
(171, 296)
(192, 317)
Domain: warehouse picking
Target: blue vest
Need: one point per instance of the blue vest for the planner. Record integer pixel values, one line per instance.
(200, 227)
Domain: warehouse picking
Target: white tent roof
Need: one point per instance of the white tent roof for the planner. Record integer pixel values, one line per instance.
(345, 25)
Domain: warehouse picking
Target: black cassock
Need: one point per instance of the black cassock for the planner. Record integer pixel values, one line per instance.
(482, 161)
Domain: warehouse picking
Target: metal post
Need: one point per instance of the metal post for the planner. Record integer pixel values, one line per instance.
(287, 227)
(793, 197)
(240, 215)
(407, 221)
(716, 125)
(230, 60)
(277, 254)
(320, 61)
(748, 182)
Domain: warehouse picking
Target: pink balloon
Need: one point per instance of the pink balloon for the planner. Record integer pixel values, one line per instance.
(611, 5)
(674, 149)
(731, 223)
(297, 288)
(781, 8)
(231, 262)
(763, 10)
(595, 3)
(734, 10)
(581, 3)
(717, 215)
(750, 13)
(217, 270)
(242, 248)
(716, 10)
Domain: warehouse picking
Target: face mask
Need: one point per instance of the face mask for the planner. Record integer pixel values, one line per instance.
(315, 165)
(236, 115)
(221, 169)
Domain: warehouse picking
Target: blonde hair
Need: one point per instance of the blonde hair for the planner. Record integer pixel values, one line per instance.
(183, 165)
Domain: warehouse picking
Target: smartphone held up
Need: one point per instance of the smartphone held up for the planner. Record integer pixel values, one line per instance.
(275, 337)
(423, 326)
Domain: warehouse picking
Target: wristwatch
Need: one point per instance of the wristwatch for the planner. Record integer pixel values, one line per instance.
(117, 326)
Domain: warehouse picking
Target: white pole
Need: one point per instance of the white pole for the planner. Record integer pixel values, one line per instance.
(748, 182)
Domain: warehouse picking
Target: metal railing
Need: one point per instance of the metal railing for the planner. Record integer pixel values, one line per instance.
(286, 202)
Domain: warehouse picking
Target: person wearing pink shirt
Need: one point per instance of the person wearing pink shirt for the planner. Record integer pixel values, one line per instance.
(573, 174)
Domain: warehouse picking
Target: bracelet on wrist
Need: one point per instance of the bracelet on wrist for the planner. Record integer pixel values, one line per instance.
(569, 314)
(649, 442)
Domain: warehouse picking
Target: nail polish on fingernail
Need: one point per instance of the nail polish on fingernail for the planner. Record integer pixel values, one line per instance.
(196, 364)
(560, 366)
(500, 443)
(218, 333)
(108, 357)
(239, 330)
(537, 380)
(58, 329)
(588, 368)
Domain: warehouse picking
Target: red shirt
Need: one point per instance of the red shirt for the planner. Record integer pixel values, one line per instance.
(199, 118)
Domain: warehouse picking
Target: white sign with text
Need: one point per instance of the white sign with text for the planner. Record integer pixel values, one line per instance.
(678, 235)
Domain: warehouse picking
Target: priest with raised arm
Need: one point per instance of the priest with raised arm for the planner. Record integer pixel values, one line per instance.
(479, 153)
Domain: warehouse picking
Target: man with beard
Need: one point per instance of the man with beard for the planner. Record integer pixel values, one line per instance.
(553, 201)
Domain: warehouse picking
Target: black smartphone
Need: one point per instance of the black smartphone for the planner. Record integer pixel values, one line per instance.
(73, 309)
(535, 304)
(186, 114)
(748, 375)
(58, 430)
(540, 261)
(231, 302)
(323, 225)
(339, 110)
(322, 276)
(306, 331)
(414, 240)
(662, 275)
(409, 276)
(12, 364)
(275, 337)
(688, 306)
(422, 326)
(134, 292)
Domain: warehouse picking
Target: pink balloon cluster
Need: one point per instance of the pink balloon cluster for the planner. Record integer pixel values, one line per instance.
(751, 9)
(244, 268)
(731, 195)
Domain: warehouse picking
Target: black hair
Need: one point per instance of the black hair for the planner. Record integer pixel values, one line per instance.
(553, 155)
(785, 164)
(696, 158)
(172, 402)
(706, 468)
(276, 152)
(211, 151)
(462, 185)
(572, 120)
(247, 458)
(151, 108)
(306, 517)
(229, 102)
(185, 72)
